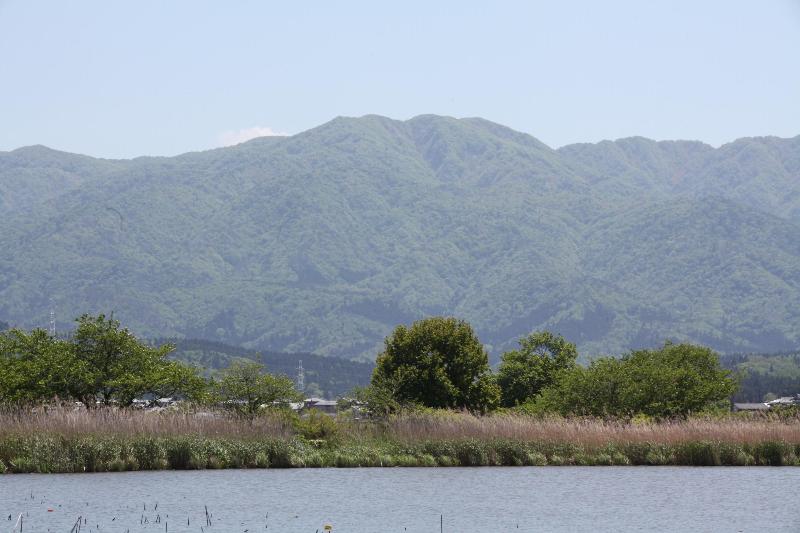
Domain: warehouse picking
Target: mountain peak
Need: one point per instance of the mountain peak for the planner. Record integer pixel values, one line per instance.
(35, 150)
(325, 240)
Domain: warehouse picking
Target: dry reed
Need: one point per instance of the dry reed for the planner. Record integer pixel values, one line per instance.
(68, 422)
(589, 432)
(65, 440)
(414, 427)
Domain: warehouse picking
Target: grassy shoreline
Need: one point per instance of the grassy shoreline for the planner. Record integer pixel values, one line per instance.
(57, 441)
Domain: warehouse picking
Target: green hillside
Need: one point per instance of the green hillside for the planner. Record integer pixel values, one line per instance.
(323, 241)
(765, 376)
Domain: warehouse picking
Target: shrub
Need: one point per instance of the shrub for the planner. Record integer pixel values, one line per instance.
(149, 453)
(510, 453)
(406, 460)
(179, 454)
(317, 426)
(118, 465)
(212, 462)
(602, 459)
(656, 457)
(446, 460)
(23, 465)
(280, 454)
(697, 454)
(770, 453)
(536, 459)
(262, 460)
(471, 453)
(346, 460)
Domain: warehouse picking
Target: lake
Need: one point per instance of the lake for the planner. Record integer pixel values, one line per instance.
(529, 499)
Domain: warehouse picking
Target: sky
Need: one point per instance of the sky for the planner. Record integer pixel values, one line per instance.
(123, 79)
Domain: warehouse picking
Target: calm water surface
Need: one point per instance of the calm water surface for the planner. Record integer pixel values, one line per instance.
(410, 500)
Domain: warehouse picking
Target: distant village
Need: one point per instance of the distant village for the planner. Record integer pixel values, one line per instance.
(785, 401)
(309, 404)
(331, 407)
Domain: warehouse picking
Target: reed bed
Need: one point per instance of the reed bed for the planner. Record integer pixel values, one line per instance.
(590, 432)
(68, 422)
(64, 440)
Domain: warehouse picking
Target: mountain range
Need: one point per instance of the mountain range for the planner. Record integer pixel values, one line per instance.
(324, 241)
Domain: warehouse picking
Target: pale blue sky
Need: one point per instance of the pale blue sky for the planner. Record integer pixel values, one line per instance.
(120, 79)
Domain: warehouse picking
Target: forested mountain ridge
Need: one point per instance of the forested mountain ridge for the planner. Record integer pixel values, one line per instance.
(323, 241)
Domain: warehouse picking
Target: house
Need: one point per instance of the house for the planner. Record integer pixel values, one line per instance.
(750, 407)
(326, 406)
(785, 401)
(358, 410)
(154, 403)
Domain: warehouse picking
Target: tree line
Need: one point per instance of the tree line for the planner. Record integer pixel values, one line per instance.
(437, 362)
(103, 363)
(440, 362)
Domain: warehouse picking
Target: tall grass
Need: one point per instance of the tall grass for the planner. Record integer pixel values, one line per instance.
(590, 432)
(126, 422)
(64, 440)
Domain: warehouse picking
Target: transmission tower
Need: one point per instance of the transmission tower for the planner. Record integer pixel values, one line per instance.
(52, 318)
(301, 377)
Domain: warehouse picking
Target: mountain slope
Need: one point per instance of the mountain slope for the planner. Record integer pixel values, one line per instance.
(33, 175)
(328, 377)
(323, 241)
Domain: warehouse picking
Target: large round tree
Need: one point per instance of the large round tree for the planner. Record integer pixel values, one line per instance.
(542, 357)
(437, 362)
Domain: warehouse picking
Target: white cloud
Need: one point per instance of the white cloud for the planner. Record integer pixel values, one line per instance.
(231, 137)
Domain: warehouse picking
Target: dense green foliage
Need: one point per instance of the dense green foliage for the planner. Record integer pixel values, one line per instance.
(323, 241)
(111, 364)
(101, 363)
(437, 362)
(245, 387)
(541, 359)
(675, 380)
(46, 454)
(35, 367)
